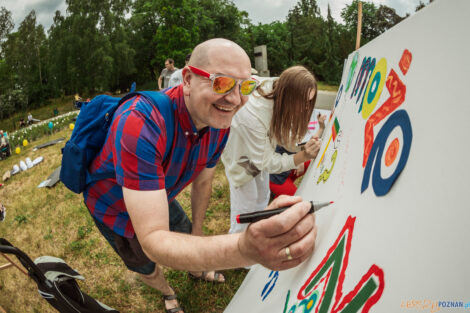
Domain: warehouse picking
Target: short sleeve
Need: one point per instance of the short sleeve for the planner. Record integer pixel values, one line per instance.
(139, 135)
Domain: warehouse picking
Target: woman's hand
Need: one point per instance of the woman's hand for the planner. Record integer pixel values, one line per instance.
(299, 171)
(312, 147)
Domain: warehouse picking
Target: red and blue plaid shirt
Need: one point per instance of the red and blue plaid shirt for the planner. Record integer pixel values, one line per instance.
(134, 149)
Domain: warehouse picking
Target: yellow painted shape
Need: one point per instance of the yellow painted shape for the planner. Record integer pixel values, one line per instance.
(368, 108)
(324, 151)
(326, 173)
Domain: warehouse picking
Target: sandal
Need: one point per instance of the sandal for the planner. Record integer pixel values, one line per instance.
(205, 278)
(168, 298)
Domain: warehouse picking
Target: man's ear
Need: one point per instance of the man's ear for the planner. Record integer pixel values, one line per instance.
(187, 77)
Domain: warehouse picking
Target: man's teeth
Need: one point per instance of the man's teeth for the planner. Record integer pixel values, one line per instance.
(225, 109)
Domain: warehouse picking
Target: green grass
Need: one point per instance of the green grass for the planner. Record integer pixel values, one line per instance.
(63, 105)
(42, 221)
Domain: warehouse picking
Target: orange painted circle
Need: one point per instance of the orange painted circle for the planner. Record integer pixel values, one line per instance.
(392, 152)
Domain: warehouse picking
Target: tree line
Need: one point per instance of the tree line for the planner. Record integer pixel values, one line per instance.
(98, 46)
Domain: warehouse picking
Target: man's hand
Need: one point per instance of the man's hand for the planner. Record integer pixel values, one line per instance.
(265, 241)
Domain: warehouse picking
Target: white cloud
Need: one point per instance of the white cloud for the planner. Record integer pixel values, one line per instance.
(259, 11)
(266, 11)
(45, 10)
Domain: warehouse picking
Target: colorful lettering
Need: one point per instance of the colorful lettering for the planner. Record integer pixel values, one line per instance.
(380, 185)
(374, 88)
(274, 275)
(397, 92)
(352, 68)
(405, 61)
(335, 129)
(362, 79)
(330, 275)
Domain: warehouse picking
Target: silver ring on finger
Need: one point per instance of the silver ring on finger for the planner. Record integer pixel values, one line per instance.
(289, 256)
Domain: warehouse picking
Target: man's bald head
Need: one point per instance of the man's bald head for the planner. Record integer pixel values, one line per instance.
(218, 49)
(207, 107)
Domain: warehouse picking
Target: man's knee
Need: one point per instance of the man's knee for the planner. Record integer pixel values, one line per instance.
(152, 275)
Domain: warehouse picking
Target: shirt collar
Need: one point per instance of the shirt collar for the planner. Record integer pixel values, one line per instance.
(185, 120)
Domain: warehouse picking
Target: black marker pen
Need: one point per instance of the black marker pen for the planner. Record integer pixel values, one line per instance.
(261, 215)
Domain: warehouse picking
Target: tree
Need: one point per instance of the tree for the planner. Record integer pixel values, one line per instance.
(142, 25)
(375, 20)
(6, 24)
(305, 26)
(330, 67)
(422, 5)
(369, 20)
(221, 18)
(276, 38)
(386, 18)
(25, 53)
(178, 31)
(91, 46)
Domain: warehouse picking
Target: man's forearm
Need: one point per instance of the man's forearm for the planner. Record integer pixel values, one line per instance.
(194, 253)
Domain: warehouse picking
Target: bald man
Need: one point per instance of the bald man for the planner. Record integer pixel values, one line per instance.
(137, 212)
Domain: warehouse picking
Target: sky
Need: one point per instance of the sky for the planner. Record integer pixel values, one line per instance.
(259, 11)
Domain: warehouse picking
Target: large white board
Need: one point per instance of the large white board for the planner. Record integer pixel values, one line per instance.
(396, 165)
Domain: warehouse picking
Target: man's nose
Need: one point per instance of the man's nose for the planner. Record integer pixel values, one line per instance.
(234, 96)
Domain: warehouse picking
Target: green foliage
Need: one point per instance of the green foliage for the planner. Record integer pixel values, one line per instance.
(276, 37)
(41, 129)
(100, 46)
(6, 24)
(177, 33)
(375, 20)
(306, 27)
(11, 101)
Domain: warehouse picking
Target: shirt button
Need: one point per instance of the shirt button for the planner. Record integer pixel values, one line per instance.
(186, 133)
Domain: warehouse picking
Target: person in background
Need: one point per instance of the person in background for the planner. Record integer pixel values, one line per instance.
(136, 211)
(32, 120)
(4, 145)
(22, 123)
(3, 211)
(177, 77)
(284, 183)
(166, 74)
(277, 113)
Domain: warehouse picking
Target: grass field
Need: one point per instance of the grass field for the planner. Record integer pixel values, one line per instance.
(42, 221)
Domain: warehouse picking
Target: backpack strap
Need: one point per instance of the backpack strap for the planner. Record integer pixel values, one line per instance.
(164, 105)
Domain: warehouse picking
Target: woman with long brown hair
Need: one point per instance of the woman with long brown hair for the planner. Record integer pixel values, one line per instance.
(277, 113)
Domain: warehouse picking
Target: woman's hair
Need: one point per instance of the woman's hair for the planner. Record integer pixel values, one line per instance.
(291, 109)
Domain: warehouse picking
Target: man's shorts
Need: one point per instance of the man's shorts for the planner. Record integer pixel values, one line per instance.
(129, 249)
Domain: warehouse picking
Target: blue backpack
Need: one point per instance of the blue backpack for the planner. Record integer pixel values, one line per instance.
(90, 132)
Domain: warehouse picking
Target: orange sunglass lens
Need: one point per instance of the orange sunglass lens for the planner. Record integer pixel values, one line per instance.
(223, 84)
(247, 87)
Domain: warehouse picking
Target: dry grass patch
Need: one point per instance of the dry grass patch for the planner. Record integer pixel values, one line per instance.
(42, 221)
